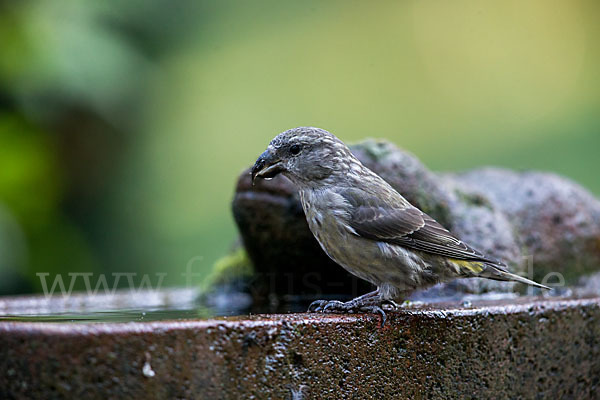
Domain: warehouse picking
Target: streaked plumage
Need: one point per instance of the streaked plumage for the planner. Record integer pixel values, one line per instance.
(365, 225)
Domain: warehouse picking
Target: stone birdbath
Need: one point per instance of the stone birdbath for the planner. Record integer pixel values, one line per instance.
(464, 339)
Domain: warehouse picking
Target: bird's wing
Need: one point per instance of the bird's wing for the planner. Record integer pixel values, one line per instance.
(404, 225)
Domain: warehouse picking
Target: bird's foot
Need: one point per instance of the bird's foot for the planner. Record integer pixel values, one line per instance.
(371, 304)
(318, 305)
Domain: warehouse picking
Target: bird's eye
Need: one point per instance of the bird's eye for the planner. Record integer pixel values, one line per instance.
(295, 149)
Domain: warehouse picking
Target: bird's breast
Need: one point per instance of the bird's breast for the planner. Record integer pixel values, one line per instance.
(327, 220)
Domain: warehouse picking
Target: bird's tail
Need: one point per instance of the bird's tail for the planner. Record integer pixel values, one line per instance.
(500, 274)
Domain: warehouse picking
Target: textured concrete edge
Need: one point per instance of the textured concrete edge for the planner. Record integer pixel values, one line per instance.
(444, 310)
(530, 348)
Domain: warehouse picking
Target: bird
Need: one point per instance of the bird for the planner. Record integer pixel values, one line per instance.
(367, 227)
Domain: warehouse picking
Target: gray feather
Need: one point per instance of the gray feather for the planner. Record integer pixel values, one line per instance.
(404, 225)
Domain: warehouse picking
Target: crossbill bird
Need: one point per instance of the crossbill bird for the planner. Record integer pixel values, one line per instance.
(366, 226)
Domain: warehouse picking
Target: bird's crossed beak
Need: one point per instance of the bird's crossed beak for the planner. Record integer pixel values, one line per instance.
(267, 166)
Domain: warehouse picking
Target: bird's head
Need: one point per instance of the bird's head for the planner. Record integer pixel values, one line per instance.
(307, 156)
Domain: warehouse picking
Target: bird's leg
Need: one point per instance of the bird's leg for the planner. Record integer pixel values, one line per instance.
(367, 303)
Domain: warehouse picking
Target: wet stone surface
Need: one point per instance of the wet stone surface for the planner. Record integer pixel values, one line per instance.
(530, 348)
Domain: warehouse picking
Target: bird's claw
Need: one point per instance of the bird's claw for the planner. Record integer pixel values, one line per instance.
(373, 310)
(317, 305)
(391, 303)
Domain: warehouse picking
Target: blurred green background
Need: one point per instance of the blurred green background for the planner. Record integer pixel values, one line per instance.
(124, 124)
